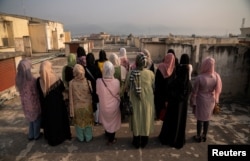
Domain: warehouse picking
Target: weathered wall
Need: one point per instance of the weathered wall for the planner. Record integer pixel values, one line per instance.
(12, 28)
(233, 64)
(55, 36)
(38, 37)
(156, 50)
(232, 61)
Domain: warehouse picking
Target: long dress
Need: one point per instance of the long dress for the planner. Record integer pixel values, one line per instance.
(142, 120)
(81, 103)
(55, 120)
(161, 85)
(109, 115)
(174, 125)
(204, 95)
(92, 73)
(30, 101)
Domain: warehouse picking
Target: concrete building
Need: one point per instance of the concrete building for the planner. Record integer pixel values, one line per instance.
(22, 36)
(29, 34)
(232, 57)
(71, 47)
(245, 35)
(8, 66)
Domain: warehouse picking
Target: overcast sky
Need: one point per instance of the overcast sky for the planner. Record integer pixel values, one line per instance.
(201, 17)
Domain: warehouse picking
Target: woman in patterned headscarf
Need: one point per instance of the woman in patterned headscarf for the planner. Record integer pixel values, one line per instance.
(81, 104)
(140, 84)
(205, 94)
(54, 112)
(26, 85)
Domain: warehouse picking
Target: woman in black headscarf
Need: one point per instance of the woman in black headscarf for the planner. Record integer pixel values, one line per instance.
(92, 73)
(102, 58)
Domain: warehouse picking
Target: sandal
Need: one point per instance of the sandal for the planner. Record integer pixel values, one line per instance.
(112, 142)
(197, 139)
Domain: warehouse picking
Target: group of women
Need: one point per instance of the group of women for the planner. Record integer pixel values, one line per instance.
(94, 88)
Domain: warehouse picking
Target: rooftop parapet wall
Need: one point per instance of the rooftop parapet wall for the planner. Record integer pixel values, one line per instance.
(232, 60)
(233, 64)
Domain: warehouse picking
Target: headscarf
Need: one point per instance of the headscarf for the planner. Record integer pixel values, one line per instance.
(123, 58)
(71, 60)
(184, 59)
(108, 70)
(207, 67)
(79, 72)
(80, 52)
(171, 51)
(135, 76)
(123, 53)
(140, 61)
(23, 73)
(47, 76)
(167, 66)
(102, 56)
(90, 59)
(81, 56)
(149, 59)
(113, 58)
(82, 60)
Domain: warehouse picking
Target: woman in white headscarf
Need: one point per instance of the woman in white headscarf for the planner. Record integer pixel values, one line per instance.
(120, 71)
(123, 58)
(149, 63)
(55, 121)
(81, 104)
(108, 90)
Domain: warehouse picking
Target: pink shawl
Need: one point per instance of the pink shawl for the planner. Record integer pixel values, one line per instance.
(167, 66)
(207, 67)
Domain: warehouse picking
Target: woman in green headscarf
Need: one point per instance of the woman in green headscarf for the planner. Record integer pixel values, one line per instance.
(140, 84)
(67, 72)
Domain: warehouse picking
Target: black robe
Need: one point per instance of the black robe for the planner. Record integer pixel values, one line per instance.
(161, 87)
(92, 75)
(174, 125)
(55, 121)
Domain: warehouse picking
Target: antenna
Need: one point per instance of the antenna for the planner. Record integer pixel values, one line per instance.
(24, 12)
(243, 23)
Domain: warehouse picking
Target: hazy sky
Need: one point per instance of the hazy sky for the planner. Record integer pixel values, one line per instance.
(201, 17)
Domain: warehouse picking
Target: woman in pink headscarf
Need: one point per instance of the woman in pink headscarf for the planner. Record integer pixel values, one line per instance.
(164, 74)
(123, 58)
(26, 85)
(205, 95)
